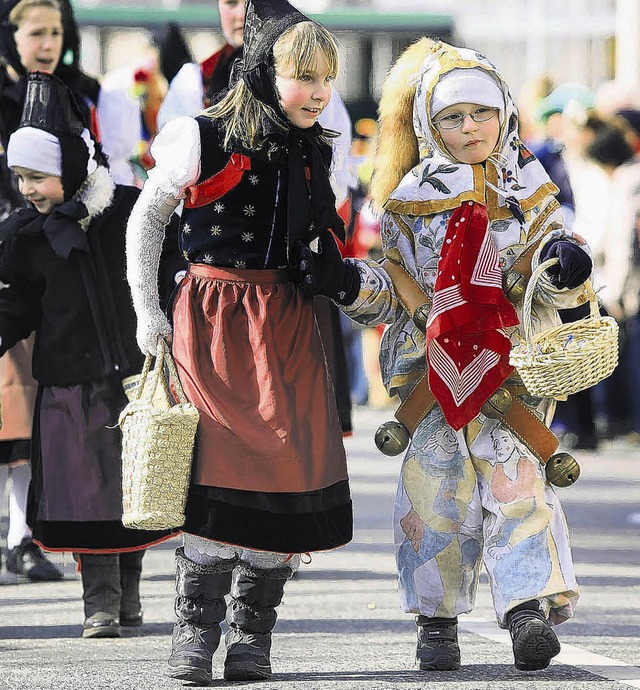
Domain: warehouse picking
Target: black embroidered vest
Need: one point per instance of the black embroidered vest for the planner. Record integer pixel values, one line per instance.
(245, 227)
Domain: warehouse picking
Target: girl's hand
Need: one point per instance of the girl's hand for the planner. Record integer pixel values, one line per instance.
(325, 272)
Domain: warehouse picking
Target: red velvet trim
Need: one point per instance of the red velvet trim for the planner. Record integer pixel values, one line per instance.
(208, 66)
(125, 549)
(213, 188)
(95, 128)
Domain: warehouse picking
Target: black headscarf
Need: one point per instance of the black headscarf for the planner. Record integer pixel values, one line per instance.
(70, 53)
(50, 106)
(8, 48)
(310, 210)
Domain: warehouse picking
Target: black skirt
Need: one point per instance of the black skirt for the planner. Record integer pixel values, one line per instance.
(14, 450)
(281, 522)
(75, 498)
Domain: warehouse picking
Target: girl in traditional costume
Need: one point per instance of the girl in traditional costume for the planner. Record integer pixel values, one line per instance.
(466, 205)
(62, 265)
(269, 480)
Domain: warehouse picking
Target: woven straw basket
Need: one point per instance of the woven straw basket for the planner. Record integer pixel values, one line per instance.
(568, 358)
(157, 448)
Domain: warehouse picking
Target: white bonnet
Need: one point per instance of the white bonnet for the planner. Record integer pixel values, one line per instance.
(471, 85)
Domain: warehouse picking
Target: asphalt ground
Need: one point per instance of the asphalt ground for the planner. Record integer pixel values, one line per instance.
(340, 626)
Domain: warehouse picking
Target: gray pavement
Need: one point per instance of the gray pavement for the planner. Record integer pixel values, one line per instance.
(340, 626)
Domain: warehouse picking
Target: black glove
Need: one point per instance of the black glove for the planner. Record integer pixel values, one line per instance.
(574, 267)
(326, 273)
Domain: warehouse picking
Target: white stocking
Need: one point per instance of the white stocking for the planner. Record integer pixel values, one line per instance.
(206, 552)
(20, 477)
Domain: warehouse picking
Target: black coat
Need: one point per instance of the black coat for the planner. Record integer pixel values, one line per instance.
(80, 307)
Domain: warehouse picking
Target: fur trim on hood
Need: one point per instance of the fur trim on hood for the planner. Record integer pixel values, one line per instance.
(96, 193)
(397, 150)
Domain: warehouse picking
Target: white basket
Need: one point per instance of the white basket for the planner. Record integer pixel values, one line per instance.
(568, 358)
(157, 448)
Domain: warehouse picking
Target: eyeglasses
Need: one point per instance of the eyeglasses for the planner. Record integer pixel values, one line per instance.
(455, 120)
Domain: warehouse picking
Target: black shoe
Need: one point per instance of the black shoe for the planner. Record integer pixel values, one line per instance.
(101, 624)
(27, 559)
(438, 648)
(131, 620)
(534, 642)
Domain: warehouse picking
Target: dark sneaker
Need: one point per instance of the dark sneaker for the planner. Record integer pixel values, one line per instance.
(534, 642)
(438, 648)
(131, 620)
(27, 559)
(101, 624)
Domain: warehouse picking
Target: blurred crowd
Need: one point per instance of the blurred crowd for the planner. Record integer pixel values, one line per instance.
(589, 141)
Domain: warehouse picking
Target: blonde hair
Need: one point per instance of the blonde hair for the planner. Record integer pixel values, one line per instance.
(18, 13)
(397, 150)
(294, 52)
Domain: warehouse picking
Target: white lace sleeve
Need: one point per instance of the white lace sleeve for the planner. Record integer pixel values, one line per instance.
(176, 151)
(145, 234)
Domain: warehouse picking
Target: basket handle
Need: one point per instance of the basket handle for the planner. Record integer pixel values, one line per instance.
(163, 356)
(528, 297)
(143, 377)
(173, 372)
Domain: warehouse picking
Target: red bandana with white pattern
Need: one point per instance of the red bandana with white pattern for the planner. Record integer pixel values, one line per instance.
(467, 348)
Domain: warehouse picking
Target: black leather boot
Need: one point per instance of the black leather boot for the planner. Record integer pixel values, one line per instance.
(200, 607)
(101, 594)
(534, 642)
(438, 648)
(130, 571)
(251, 617)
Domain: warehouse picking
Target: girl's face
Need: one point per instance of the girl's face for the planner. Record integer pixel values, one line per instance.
(39, 39)
(44, 191)
(232, 20)
(471, 142)
(305, 97)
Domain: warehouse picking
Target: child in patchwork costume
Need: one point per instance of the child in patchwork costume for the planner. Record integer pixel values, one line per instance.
(468, 212)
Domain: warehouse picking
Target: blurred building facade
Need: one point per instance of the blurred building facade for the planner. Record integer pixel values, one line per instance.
(586, 41)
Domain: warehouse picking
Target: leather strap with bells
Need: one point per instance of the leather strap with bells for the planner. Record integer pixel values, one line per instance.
(409, 293)
(503, 404)
(513, 413)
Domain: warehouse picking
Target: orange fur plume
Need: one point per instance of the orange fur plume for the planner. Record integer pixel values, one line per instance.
(397, 150)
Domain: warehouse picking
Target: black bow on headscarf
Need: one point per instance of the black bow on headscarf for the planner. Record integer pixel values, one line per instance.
(61, 227)
(312, 208)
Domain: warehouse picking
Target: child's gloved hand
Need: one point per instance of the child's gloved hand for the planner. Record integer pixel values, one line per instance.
(326, 273)
(152, 324)
(574, 267)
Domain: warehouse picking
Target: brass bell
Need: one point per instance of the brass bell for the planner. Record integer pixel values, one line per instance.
(514, 285)
(498, 404)
(420, 316)
(392, 438)
(562, 469)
